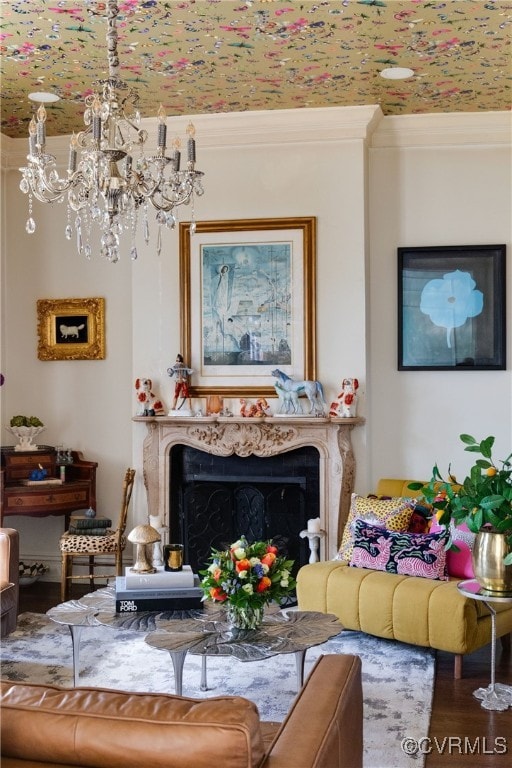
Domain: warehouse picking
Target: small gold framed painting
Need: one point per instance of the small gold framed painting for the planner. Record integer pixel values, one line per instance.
(71, 329)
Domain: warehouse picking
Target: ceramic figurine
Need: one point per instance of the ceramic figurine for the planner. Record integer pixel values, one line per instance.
(248, 410)
(288, 390)
(262, 407)
(181, 373)
(147, 402)
(346, 404)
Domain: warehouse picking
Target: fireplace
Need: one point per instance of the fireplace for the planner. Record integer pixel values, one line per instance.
(230, 448)
(216, 499)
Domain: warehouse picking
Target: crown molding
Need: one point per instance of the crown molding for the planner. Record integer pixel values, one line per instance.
(235, 129)
(444, 129)
(299, 126)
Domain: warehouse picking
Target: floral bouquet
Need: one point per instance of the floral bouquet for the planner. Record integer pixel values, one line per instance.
(246, 577)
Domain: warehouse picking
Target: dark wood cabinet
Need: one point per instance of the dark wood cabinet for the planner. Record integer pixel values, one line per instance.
(78, 491)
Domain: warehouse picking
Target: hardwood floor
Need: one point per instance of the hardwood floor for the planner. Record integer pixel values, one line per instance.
(462, 734)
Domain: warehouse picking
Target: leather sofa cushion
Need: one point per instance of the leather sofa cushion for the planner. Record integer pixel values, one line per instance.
(8, 597)
(107, 729)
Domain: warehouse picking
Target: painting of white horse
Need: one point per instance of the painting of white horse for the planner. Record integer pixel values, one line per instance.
(288, 390)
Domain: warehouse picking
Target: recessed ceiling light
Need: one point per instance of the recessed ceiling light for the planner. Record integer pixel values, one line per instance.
(43, 97)
(397, 73)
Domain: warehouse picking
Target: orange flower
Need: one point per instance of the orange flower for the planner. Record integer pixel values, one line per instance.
(216, 593)
(268, 559)
(217, 574)
(263, 584)
(242, 565)
(272, 549)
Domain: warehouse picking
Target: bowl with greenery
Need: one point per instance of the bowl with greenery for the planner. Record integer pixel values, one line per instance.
(25, 429)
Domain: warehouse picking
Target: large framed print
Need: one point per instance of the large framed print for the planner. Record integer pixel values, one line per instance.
(451, 308)
(247, 290)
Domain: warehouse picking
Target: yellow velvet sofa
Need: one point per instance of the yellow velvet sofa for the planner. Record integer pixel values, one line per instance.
(419, 611)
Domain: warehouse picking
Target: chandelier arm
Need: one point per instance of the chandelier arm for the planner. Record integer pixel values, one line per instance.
(45, 185)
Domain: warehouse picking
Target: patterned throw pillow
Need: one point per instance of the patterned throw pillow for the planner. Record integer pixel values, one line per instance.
(394, 514)
(409, 554)
(459, 562)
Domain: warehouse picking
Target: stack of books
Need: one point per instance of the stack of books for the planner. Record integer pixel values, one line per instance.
(89, 526)
(160, 591)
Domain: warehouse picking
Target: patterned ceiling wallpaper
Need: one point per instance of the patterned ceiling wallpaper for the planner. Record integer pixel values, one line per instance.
(205, 56)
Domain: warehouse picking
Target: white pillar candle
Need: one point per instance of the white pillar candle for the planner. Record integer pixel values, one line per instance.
(314, 525)
(155, 522)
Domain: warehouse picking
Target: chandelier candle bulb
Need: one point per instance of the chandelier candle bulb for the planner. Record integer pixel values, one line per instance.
(40, 135)
(162, 128)
(191, 143)
(32, 140)
(72, 155)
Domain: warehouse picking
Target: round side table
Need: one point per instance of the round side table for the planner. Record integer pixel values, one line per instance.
(496, 696)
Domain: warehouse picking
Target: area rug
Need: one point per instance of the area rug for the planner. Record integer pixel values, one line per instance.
(398, 679)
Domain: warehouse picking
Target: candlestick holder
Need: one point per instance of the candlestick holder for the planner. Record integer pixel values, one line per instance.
(314, 542)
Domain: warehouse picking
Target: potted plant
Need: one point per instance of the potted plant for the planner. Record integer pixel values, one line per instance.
(247, 577)
(483, 501)
(25, 429)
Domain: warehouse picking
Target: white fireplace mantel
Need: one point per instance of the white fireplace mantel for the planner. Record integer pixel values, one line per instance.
(224, 436)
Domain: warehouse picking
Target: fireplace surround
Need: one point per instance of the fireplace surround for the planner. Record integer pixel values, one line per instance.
(246, 438)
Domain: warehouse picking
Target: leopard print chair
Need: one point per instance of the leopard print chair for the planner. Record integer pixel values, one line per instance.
(77, 548)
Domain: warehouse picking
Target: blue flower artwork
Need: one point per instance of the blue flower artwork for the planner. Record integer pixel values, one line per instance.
(451, 307)
(451, 301)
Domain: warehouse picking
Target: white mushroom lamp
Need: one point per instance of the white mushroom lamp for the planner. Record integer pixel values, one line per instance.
(140, 536)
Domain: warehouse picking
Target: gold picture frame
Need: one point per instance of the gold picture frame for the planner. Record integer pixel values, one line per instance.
(269, 262)
(71, 329)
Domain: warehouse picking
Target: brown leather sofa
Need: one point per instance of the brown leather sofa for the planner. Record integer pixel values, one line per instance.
(9, 579)
(45, 725)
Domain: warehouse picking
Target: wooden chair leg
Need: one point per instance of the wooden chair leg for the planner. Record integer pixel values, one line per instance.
(119, 563)
(457, 666)
(64, 577)
(91, 572)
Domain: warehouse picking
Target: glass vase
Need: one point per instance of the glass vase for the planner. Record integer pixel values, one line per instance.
(248, 617)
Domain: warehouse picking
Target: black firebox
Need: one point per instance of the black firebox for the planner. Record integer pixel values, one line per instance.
(216, 499)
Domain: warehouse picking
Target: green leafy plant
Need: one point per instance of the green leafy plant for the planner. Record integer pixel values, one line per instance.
(26, 421)
(482, 499)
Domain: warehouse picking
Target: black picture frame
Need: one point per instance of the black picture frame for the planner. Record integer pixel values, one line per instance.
(452, 308)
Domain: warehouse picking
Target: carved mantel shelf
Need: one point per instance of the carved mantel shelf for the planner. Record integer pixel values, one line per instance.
(268, 436)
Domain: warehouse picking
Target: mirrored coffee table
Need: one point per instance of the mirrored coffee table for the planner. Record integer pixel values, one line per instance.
(199, 632)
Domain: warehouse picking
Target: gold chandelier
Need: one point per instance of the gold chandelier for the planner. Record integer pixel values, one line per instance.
(110, 180)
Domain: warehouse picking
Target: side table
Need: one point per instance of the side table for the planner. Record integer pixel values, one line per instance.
(496, 696)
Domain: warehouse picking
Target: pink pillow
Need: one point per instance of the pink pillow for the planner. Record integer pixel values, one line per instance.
(458, 564)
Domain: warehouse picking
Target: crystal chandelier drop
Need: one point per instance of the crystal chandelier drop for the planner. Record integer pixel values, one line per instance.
(110, 180)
